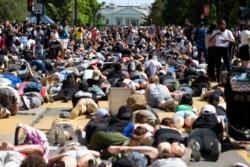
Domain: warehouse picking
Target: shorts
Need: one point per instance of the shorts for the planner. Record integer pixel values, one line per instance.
(77, 154)
(184, 114)
(64, 43)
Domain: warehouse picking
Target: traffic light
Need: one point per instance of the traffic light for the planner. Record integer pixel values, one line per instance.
(30, 5)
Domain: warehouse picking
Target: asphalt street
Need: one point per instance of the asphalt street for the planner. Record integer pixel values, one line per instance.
(43, 117)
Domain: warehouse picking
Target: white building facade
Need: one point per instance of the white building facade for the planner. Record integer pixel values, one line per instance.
(124, 15)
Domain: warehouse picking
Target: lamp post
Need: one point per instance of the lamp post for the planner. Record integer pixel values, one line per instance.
(75, 12)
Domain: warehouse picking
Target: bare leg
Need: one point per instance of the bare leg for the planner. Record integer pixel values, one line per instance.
(167, 105)
(189, 121)
(178, 122)
(26, 149)
(6, 146)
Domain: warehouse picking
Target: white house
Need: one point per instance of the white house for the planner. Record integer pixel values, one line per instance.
(124, 15)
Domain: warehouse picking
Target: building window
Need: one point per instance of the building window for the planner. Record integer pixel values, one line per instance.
(107, 21)
(118, 21)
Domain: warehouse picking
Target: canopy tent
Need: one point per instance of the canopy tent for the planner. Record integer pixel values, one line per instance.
(43, 19)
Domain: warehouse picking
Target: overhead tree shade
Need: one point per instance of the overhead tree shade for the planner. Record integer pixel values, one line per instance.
(43, 19)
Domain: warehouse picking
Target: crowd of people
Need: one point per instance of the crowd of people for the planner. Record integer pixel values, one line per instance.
(47, 63)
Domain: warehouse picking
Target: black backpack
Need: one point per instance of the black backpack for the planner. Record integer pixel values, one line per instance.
(127, 159)
(95, 125)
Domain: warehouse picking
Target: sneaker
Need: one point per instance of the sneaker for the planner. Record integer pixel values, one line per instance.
(196, 155)
(238, 164)
(187, 155)
(26, 102)
(60, 138)
(52, 136)
(4, 113)
(215, 150)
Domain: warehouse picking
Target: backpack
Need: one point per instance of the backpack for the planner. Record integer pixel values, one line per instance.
(95, 125)
(33, 136)
(128, 159)
(31, 100)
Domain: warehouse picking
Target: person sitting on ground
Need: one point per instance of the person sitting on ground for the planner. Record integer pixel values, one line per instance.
(158, 95)
(95, 83)
(139, 77)
(76, 155)
(83, 101)
(206, 134)
(184, 113)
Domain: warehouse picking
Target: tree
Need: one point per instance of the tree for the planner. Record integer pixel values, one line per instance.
(13, 10)
(59, 10)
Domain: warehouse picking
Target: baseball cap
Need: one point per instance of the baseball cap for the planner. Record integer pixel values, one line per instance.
(101, 112)
(208, 109)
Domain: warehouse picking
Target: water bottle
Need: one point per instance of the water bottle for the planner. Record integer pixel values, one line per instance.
(203, 91)
(176, 85)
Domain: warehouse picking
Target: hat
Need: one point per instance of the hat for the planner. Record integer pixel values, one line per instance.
(101, 112)
(208, 109)
(125, 113)
(214, 97)
(96, 74)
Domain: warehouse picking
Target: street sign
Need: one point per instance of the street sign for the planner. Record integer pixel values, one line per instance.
(38, 8)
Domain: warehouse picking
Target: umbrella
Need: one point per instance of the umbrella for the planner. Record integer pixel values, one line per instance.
(43, 19)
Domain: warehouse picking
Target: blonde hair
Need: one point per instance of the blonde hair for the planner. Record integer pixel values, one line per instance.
(154, 79)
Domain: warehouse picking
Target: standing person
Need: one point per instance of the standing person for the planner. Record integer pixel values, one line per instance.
(211, 60)
(222, 37)
(79, 33)
(64, 37)
(244, 53)
(200, 41)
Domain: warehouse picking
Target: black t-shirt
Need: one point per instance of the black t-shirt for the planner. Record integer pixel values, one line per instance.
(167, 135)
(209, 121)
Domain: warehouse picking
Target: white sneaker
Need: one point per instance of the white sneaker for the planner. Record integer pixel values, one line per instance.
(215, 150)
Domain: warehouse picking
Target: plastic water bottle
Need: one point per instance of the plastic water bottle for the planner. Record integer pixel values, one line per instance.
(203, 91)
(176, 85)
(47, 85)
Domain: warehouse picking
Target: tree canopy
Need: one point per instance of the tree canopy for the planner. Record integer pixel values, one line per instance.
(163, 12)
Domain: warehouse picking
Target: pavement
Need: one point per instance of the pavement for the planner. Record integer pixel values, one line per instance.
(42, 118)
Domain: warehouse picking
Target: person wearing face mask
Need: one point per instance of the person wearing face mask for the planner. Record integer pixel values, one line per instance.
(223, 37)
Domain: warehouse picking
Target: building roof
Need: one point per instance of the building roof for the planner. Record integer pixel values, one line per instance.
(121, 9)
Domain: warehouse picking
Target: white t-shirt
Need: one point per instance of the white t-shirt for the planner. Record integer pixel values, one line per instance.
(227, 34)
(245, 34)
